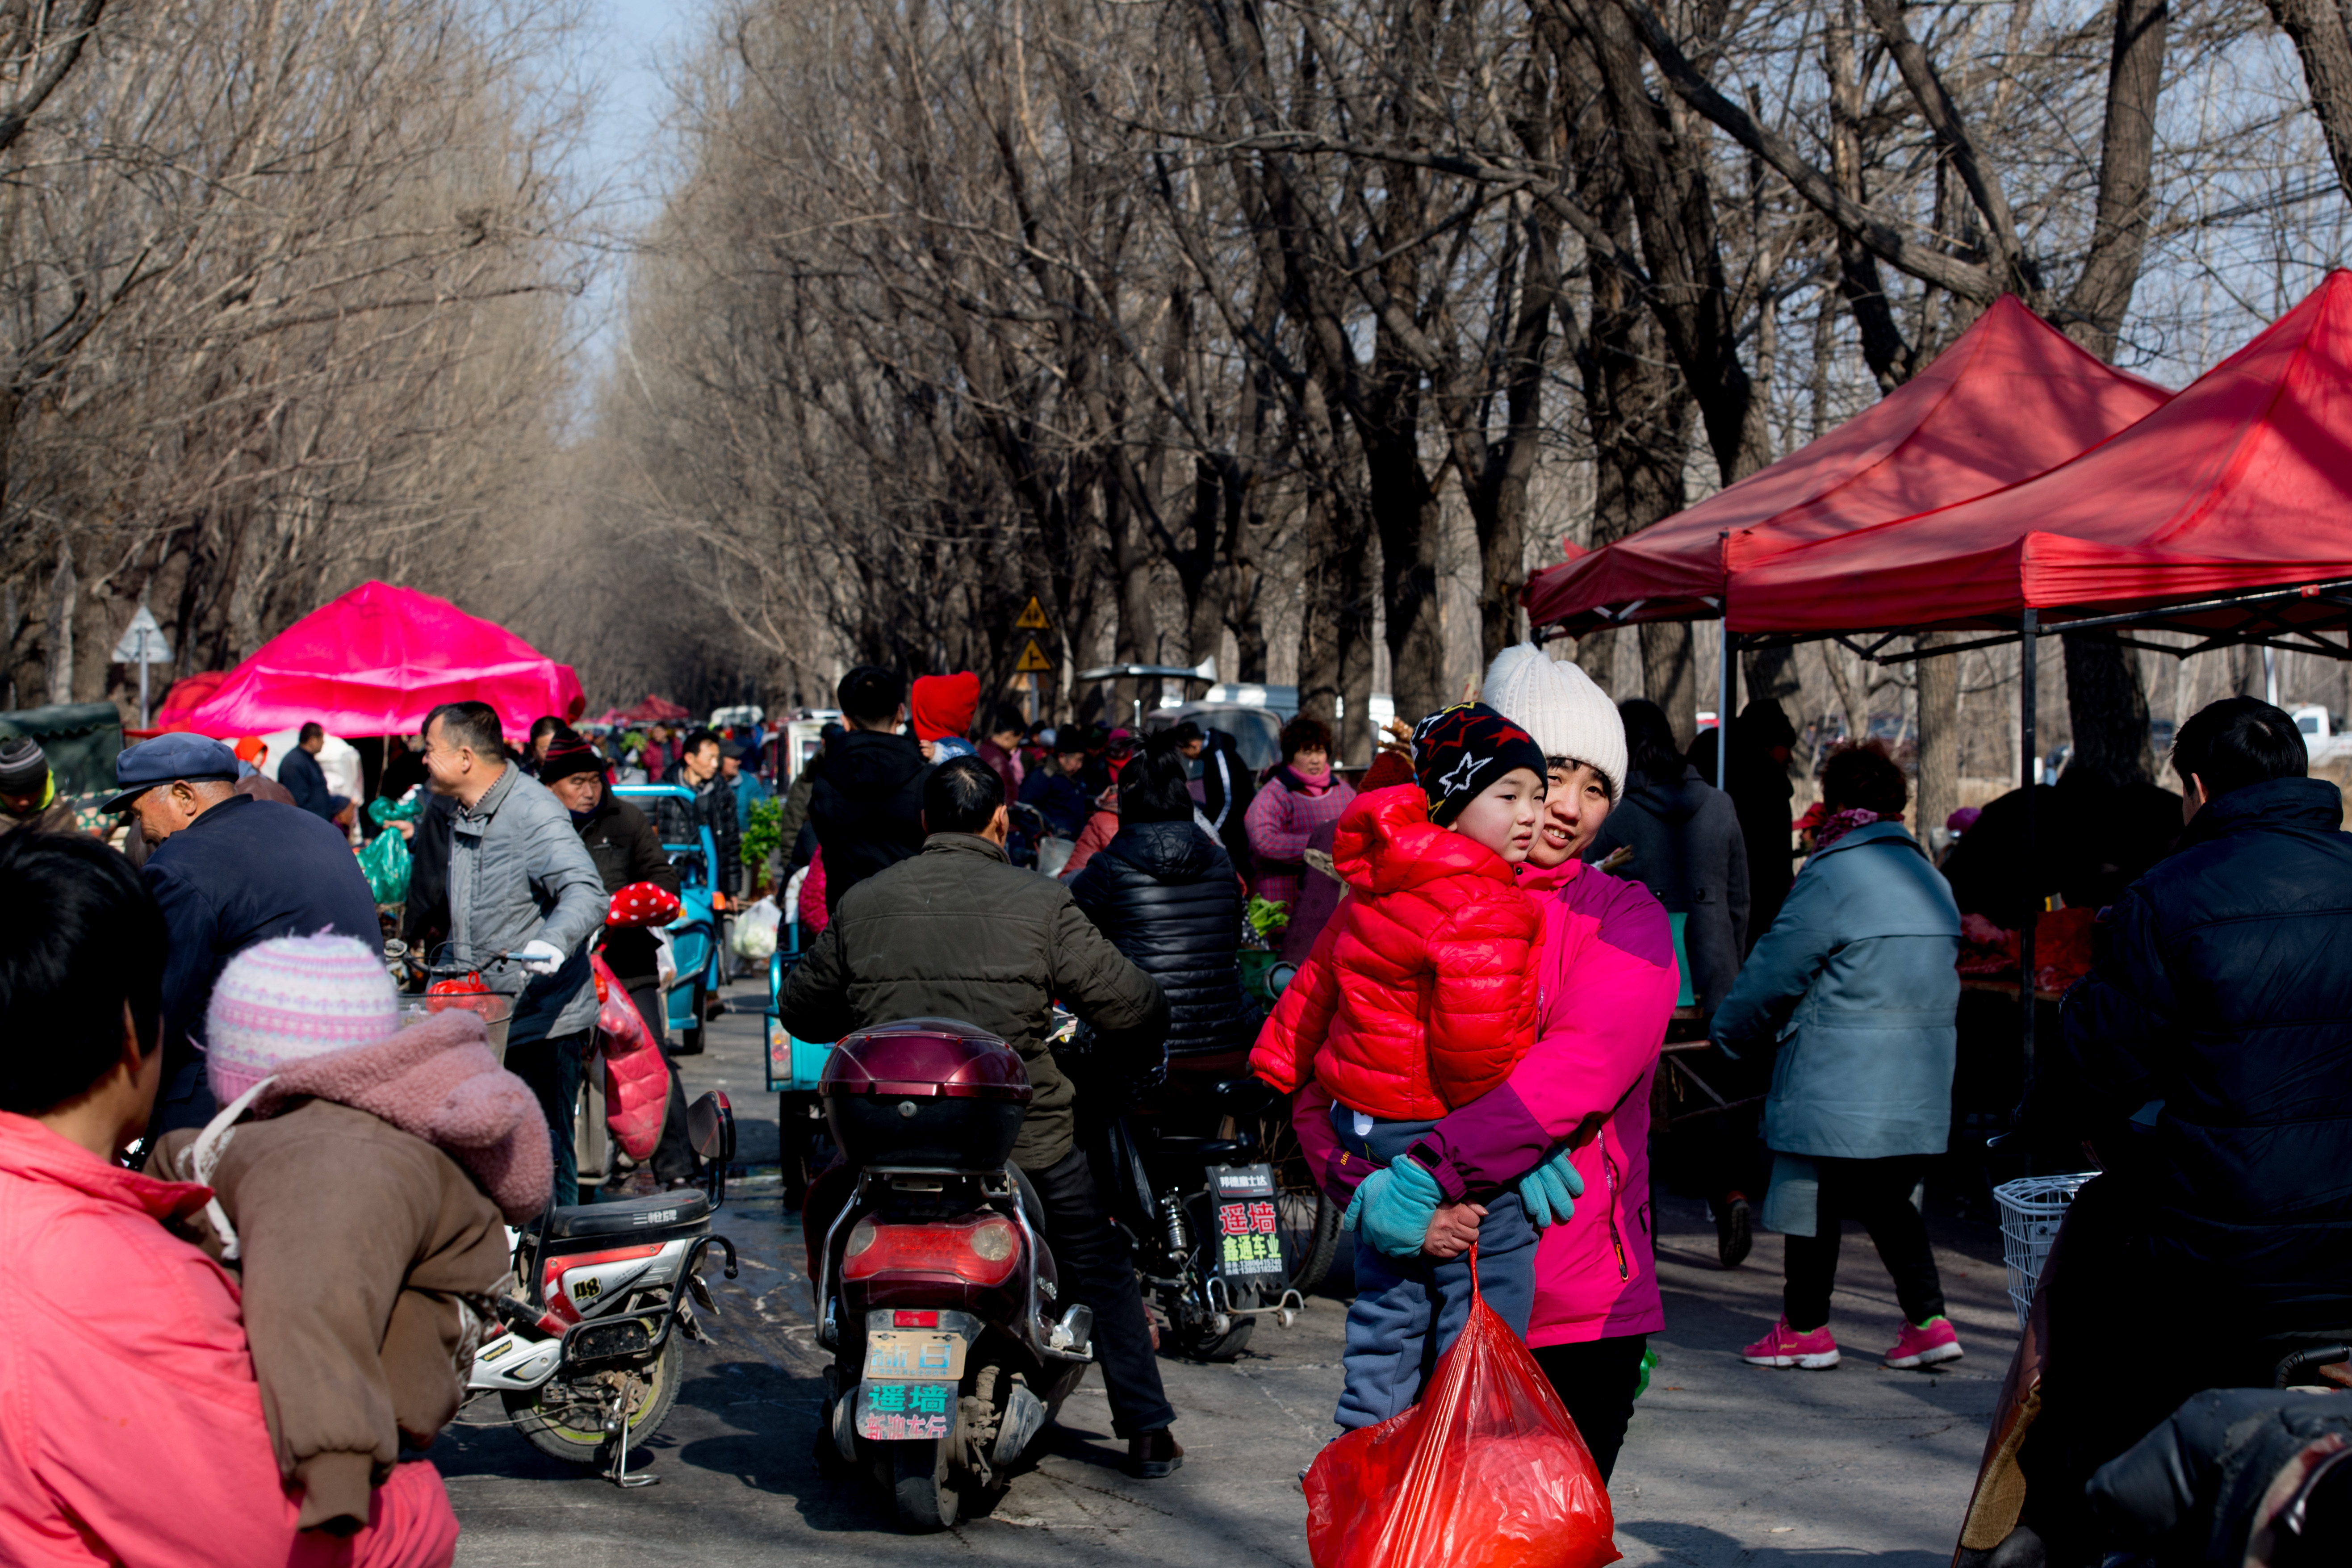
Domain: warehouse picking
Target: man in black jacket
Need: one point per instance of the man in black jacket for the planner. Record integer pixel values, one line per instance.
(956, 932)
(696, 768)
(306, 780)
(867, 800)
(2207, 1060)
(229, 870)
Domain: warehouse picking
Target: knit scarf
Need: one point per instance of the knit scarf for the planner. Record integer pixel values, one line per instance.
(1838, 824)
(1298, 783)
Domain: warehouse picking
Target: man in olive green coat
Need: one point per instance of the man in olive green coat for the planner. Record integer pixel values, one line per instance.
(957, 933)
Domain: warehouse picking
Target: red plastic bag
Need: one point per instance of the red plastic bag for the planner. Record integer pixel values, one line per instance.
(1488, 1472)
(636, 1078)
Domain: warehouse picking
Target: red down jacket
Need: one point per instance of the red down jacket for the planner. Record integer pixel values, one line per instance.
(1421, 992)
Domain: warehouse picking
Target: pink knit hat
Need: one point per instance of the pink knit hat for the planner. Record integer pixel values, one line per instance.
(281, 1001)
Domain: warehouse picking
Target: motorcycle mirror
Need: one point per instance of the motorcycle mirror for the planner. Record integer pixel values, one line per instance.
(711, 1127)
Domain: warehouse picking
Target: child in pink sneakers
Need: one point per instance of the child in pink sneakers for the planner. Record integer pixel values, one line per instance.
(361, 1174)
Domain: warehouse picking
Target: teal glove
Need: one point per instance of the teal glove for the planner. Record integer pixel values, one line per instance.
(1549, 1192)
(1393, 1206)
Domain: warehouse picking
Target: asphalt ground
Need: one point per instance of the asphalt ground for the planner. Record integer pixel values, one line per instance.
(1725, 1464)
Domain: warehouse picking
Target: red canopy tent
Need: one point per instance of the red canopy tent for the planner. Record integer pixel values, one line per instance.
(2241, 485)
(185, 694)
(376, 661)
(655, 711)
(2011, 397)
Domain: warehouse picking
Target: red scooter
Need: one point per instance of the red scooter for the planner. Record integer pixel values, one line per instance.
(935, 1292)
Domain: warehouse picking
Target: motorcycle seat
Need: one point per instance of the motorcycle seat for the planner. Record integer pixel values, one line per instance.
(662, 1212)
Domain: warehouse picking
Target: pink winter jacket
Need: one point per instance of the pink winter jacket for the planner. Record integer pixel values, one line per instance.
(131, 1427)
(1608, 985)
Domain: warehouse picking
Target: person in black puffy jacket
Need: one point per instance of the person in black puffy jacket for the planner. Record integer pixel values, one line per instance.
(2206, 1062)
(1165, 893)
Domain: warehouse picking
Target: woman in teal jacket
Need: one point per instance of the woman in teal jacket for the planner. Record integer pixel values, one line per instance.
(1856, 984)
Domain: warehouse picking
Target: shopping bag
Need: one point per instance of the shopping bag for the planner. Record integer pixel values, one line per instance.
(1488, 1472)
(755, 931)
(385, 864)
(636, 1076)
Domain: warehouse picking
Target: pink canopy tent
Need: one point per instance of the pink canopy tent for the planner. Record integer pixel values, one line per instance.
(2242, 483)
(376, 661)
(656, 709)
(2011, 398)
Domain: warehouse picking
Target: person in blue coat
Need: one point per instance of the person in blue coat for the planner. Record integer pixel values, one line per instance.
(1857, 986)
(229, 870)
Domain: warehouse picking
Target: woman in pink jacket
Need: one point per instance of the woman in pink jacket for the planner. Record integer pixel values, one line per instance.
(1572, 1121)
(130, 1425)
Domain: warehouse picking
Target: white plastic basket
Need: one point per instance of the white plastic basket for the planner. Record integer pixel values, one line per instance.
(2030, 1210)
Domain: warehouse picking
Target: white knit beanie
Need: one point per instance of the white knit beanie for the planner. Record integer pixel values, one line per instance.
(292, 998)
(1555, 701)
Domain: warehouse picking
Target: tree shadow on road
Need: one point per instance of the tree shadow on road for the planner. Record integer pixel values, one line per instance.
(1701, 1547)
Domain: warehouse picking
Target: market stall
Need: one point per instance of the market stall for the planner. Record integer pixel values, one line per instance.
(375, 661)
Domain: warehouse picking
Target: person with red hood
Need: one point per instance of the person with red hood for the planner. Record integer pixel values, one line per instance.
(941, 707)
(131, 1426)
(1421, 996)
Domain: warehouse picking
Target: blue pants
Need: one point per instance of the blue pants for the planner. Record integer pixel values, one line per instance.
(1392, 1347)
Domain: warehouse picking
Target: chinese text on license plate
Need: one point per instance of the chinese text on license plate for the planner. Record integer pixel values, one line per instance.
(1244, 1198)
(910, 1384)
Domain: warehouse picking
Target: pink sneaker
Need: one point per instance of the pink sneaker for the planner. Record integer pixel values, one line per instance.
(1784, 1346)
(1925, 1344)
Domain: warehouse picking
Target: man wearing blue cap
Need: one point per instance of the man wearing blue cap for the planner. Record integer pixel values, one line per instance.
(230, 870)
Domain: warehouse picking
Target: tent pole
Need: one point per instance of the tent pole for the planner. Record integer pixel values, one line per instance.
(1725, 693)
(2029, 629)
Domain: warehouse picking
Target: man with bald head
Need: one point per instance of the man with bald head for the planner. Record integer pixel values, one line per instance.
(230, 870)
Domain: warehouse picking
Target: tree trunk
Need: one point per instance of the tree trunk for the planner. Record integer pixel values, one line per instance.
(1772, 672)
(1939, 737)
(2107, 706)
(1669, 676)
(2317, 27)
(64, 602)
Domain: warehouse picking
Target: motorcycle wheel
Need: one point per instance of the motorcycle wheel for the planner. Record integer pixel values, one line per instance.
(1308, 1222)
(920, 1486)
(565, 1420)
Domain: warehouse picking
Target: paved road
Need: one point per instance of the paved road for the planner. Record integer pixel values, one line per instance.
(1725, 1463)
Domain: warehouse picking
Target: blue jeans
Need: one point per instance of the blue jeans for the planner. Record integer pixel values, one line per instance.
(1392, 1347)
(551, 1069)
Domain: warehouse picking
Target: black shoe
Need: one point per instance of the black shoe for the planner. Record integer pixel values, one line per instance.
(1154, 1456)
(1735, 1231)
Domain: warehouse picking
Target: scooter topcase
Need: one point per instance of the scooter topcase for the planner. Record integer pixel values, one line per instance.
(665, 1216)
(934, 1092)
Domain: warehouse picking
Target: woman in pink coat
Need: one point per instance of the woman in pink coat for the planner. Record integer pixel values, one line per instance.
(131, 1423)
(1573, 1120)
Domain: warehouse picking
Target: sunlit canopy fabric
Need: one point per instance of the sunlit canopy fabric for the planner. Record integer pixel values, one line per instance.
(2241, 481)
(2011, 397)
(187, 695)
(376, 661)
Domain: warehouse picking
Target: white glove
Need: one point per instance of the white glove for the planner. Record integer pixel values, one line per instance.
(539, 957)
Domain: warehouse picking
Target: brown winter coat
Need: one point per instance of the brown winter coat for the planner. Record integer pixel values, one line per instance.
(364, 1250)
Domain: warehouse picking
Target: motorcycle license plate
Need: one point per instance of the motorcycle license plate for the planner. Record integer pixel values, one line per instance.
(1244, 1196)
(922, 1353)
(894, 1411)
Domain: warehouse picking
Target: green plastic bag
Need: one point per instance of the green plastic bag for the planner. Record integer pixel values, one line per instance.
(404, 810)
(384, 863)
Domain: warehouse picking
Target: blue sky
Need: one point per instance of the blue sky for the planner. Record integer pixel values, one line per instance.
(627, 44)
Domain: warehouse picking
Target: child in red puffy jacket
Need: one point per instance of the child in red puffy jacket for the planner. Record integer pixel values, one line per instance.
(1419, 997)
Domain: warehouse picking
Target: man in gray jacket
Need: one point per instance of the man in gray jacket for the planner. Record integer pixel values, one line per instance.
(521, 884)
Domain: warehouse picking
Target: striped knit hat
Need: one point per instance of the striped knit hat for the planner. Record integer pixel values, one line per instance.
(292, 998)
